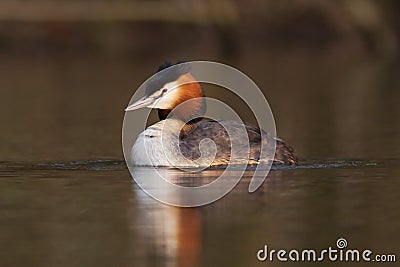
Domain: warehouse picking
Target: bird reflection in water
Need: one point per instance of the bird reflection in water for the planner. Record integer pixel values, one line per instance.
(174, 233)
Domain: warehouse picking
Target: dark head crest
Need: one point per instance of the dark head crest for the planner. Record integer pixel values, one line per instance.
(170, 75)
(168, 64)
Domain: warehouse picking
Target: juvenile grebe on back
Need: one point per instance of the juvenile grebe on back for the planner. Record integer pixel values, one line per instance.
(175, 140)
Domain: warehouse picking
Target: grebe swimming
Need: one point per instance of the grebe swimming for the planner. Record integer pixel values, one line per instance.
(174, 141)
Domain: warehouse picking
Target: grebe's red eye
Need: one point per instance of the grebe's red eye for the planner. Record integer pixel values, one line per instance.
(164, 90)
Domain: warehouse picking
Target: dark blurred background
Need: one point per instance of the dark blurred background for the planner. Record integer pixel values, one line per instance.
(329, 69)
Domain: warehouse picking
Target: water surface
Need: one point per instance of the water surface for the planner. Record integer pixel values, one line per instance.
(67, 199)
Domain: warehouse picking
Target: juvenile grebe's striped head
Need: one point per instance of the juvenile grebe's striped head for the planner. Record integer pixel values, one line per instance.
(170, 88)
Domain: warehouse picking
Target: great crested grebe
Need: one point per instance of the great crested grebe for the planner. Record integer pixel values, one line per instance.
(175, 140)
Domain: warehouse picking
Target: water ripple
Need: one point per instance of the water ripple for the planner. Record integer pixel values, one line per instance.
(119, 165)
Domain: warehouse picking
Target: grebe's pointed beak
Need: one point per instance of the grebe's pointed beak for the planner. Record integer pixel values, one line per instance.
(141, 103)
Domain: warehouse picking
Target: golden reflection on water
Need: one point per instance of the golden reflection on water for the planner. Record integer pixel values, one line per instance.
(176, 233)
